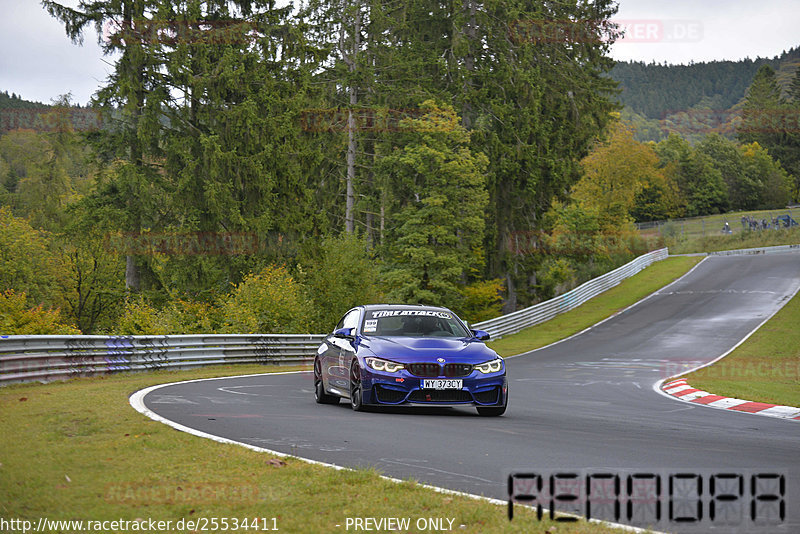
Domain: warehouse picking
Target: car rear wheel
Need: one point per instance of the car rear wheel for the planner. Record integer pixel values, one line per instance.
(356, 398)
(319, 388)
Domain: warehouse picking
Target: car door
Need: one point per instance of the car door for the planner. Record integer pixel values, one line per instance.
(339, 353)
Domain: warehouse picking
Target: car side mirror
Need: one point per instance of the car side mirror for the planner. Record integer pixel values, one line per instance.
(480, 335)
(346, 333)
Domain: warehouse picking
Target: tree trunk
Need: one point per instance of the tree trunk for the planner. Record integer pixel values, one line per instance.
(351, 167)
(131, 274)
(350, 58)
(471, 33)
(133, 13)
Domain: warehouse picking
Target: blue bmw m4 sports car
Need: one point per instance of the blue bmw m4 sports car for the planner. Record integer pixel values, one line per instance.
(380, 355)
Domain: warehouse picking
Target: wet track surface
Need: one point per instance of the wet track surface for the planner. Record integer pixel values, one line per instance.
(583, 403)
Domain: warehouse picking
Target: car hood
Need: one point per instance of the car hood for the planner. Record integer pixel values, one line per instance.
(415, 349)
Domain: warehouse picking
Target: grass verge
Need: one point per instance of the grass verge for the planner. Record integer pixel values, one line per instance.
(765, 368)
(713, 224)
(704, 234)
(77, 450)
(715, 243)
(595, 310)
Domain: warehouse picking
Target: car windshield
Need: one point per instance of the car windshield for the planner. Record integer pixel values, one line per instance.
(413, 323)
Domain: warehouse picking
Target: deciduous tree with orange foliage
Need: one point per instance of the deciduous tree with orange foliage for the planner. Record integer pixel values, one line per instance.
(623, 182)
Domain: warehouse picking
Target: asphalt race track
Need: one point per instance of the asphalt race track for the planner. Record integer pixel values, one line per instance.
(587, 402)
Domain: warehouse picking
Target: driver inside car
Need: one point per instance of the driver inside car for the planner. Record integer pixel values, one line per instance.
(427, 326)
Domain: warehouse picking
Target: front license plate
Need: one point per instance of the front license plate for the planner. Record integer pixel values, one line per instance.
(442, 384)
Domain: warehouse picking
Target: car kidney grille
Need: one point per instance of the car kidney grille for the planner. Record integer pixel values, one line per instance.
(457, 369)
(451, 370)
(424, 369)
(440, 395)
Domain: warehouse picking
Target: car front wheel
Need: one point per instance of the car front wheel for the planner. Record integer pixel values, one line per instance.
(319, 388)
(493, 411)
(356, 397)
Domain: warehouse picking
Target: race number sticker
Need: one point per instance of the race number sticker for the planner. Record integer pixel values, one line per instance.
(370, 325)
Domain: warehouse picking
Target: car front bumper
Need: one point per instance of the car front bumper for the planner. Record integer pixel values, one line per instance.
(403, 388)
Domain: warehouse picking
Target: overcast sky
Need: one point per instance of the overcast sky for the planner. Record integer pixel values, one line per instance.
(38, 61)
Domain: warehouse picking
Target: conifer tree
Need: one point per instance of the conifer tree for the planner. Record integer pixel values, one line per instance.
(761, 111)
(794, 88)
(771, 121)
(127, 90)
(436, 241)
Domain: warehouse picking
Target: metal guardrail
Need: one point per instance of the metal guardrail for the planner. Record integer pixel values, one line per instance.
(45, 358)
(544, 311)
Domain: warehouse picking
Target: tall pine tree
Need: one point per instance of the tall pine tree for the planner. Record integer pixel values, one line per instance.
(771, 121)
(127, 95)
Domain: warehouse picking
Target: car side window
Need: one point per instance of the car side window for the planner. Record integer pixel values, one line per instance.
(350, 320)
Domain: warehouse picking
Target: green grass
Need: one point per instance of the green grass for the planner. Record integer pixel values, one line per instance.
(77, 450)
(712, 224)
(595, 310)
(713, 243)
(765, 368)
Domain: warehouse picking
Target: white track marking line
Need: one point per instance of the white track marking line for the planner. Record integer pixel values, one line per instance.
(136, 400)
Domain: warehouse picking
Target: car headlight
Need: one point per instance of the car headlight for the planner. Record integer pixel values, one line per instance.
(490, 367)
(384, 365)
